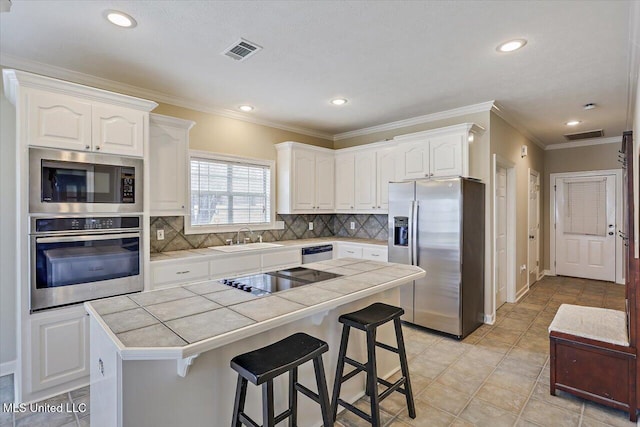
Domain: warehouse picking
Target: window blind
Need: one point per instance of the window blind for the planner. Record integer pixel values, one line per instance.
(585, 207)
(229, 192)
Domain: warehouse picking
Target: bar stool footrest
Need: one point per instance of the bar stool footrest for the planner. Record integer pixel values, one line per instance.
(387, 347)
(247, 421)
(395, 386)
(310, 394)
(350, 375)
(388, 385)
(359, 412)
(360, 366)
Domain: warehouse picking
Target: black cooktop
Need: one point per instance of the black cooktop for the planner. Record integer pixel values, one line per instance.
(260, 284)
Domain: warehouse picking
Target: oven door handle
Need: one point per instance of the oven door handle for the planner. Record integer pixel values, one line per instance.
(85, 238)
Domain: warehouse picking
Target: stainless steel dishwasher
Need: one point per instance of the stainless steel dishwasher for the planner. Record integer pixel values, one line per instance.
(317, 253)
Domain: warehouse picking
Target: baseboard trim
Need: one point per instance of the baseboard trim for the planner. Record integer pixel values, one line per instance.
(547, 273)
(522, 293)
(7, 368)
(490, 319)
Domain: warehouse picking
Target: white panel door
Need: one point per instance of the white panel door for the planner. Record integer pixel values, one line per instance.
(325, 182)
(167, 170)
(304, 180)
(345, 182)
(58, 121)
(445, 155)
(365, 169)
(501, 236)
(413, 160)
(534, 228)
(118, 130)
(585, 227)
(385, 173)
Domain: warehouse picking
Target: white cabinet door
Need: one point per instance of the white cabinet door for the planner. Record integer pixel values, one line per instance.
(375, 254)
(385, 173)
(445, 155)
(229, 266)
(118, 130)
(282, 259)
(345, 182)
(181, 272)
(167, 170)
(304, 177)
(325, 179)
(413, 160)
(349, 251)
(58, 121)
(365, 185)
(60, 347)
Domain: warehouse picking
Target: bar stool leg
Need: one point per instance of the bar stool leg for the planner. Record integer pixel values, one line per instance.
(238, 404)
(293, 397)
(323, 394)
(372, 378)
(339, 370)
(404, 366)
(268, 418)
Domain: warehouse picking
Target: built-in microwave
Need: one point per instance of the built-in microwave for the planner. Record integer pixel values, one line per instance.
(72, 182)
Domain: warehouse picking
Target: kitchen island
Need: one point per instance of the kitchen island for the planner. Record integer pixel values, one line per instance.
(161, 358)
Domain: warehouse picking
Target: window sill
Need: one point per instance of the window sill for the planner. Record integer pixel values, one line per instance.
(234, 228)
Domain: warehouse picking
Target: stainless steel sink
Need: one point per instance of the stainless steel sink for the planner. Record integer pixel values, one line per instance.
(245, 247)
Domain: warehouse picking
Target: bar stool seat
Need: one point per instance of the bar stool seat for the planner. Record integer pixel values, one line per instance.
(263, 365)
(368, 319)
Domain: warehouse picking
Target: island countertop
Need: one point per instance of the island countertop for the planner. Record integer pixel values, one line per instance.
(184, 321)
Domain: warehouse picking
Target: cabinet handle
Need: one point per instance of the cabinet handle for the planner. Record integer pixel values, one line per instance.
(101, 366)
(378, 207)
(351, 207)
(430, 174)
(375, 255)
(183, 272)
(86, 147)
(426, 174)
(350, 252)
(373, 207)
(97, 148)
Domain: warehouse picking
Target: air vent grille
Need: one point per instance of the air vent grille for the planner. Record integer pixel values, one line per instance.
(597, 133)
(241, 50)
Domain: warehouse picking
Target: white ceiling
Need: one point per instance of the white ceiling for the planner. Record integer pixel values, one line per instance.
(393, 60)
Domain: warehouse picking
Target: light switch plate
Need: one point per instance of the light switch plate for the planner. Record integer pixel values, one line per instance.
(160, 234)
(352, 226)
(310, 226)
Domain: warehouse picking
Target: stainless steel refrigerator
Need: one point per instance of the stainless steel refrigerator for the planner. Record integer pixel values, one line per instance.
(438, 225)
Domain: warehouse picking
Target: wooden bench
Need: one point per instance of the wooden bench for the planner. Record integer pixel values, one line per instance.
(590, 356)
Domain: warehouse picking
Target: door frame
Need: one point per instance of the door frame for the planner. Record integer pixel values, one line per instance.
(539, 267)
(499, 161)
(619, 277)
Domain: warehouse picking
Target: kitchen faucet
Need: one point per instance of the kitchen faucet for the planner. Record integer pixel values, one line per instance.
(238, 235)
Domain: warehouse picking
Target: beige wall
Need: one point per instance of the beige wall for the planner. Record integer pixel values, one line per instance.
(506, 142)
(579, 159)
(230, 136)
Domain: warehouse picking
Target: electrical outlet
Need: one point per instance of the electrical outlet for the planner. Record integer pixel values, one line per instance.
(310, 226)
(523, 267)
(160, 234)
(352, 225)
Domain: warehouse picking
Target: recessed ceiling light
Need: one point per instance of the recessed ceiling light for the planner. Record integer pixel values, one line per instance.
(246, 108)
(511, 45)
(573, 122)
(339, 101)
(120, 19)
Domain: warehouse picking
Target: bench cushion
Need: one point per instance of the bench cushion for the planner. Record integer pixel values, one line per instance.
(601, 324)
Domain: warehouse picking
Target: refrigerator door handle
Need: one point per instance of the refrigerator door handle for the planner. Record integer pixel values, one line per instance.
(414, 233)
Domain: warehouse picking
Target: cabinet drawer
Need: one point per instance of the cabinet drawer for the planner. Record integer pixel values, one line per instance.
(272, 260)
(349, 251)
(183, 272)
(375, 254)
(225, 267)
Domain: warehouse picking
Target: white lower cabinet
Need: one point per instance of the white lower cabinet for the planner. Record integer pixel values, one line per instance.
(375, 254)
(225, 267)
(362, 251)
(281, 259)
(167, 274)
(349, 251)
(59, 347)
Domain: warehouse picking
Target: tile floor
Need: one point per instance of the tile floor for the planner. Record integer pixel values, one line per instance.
(497, 376)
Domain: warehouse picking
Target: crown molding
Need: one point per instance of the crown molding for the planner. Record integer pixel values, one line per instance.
(10, 61)
(502, 113)
(171, 121)
(586, 143)
(428, 118)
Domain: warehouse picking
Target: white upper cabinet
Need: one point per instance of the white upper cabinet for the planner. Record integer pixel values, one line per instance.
(345, 182)
(306, 179)
(70, 116)
(168, 164)
(118, 130)
(58, 121)
(365, 180)
(435, 153)
(385, 173)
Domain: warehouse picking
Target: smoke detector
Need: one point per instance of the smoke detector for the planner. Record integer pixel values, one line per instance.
(241, 50)
(589, 106)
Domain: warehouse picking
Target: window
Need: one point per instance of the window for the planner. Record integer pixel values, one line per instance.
(227, 193)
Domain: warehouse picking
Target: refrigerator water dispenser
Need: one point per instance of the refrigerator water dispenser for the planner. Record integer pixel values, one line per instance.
(401, 231)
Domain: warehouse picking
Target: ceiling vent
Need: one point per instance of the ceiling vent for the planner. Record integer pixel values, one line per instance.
(241, 50)
(584, 135)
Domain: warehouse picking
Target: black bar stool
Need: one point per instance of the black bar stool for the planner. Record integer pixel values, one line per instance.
(261, 366)
(368, 319)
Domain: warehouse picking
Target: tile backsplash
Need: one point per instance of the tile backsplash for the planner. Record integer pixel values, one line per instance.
(295, 227)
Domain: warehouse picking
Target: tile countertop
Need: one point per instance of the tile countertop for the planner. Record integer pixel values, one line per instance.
(285, 244)
(184, 321)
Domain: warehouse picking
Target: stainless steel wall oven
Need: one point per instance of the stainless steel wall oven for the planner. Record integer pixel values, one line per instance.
(75, 259)
(71, 182)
